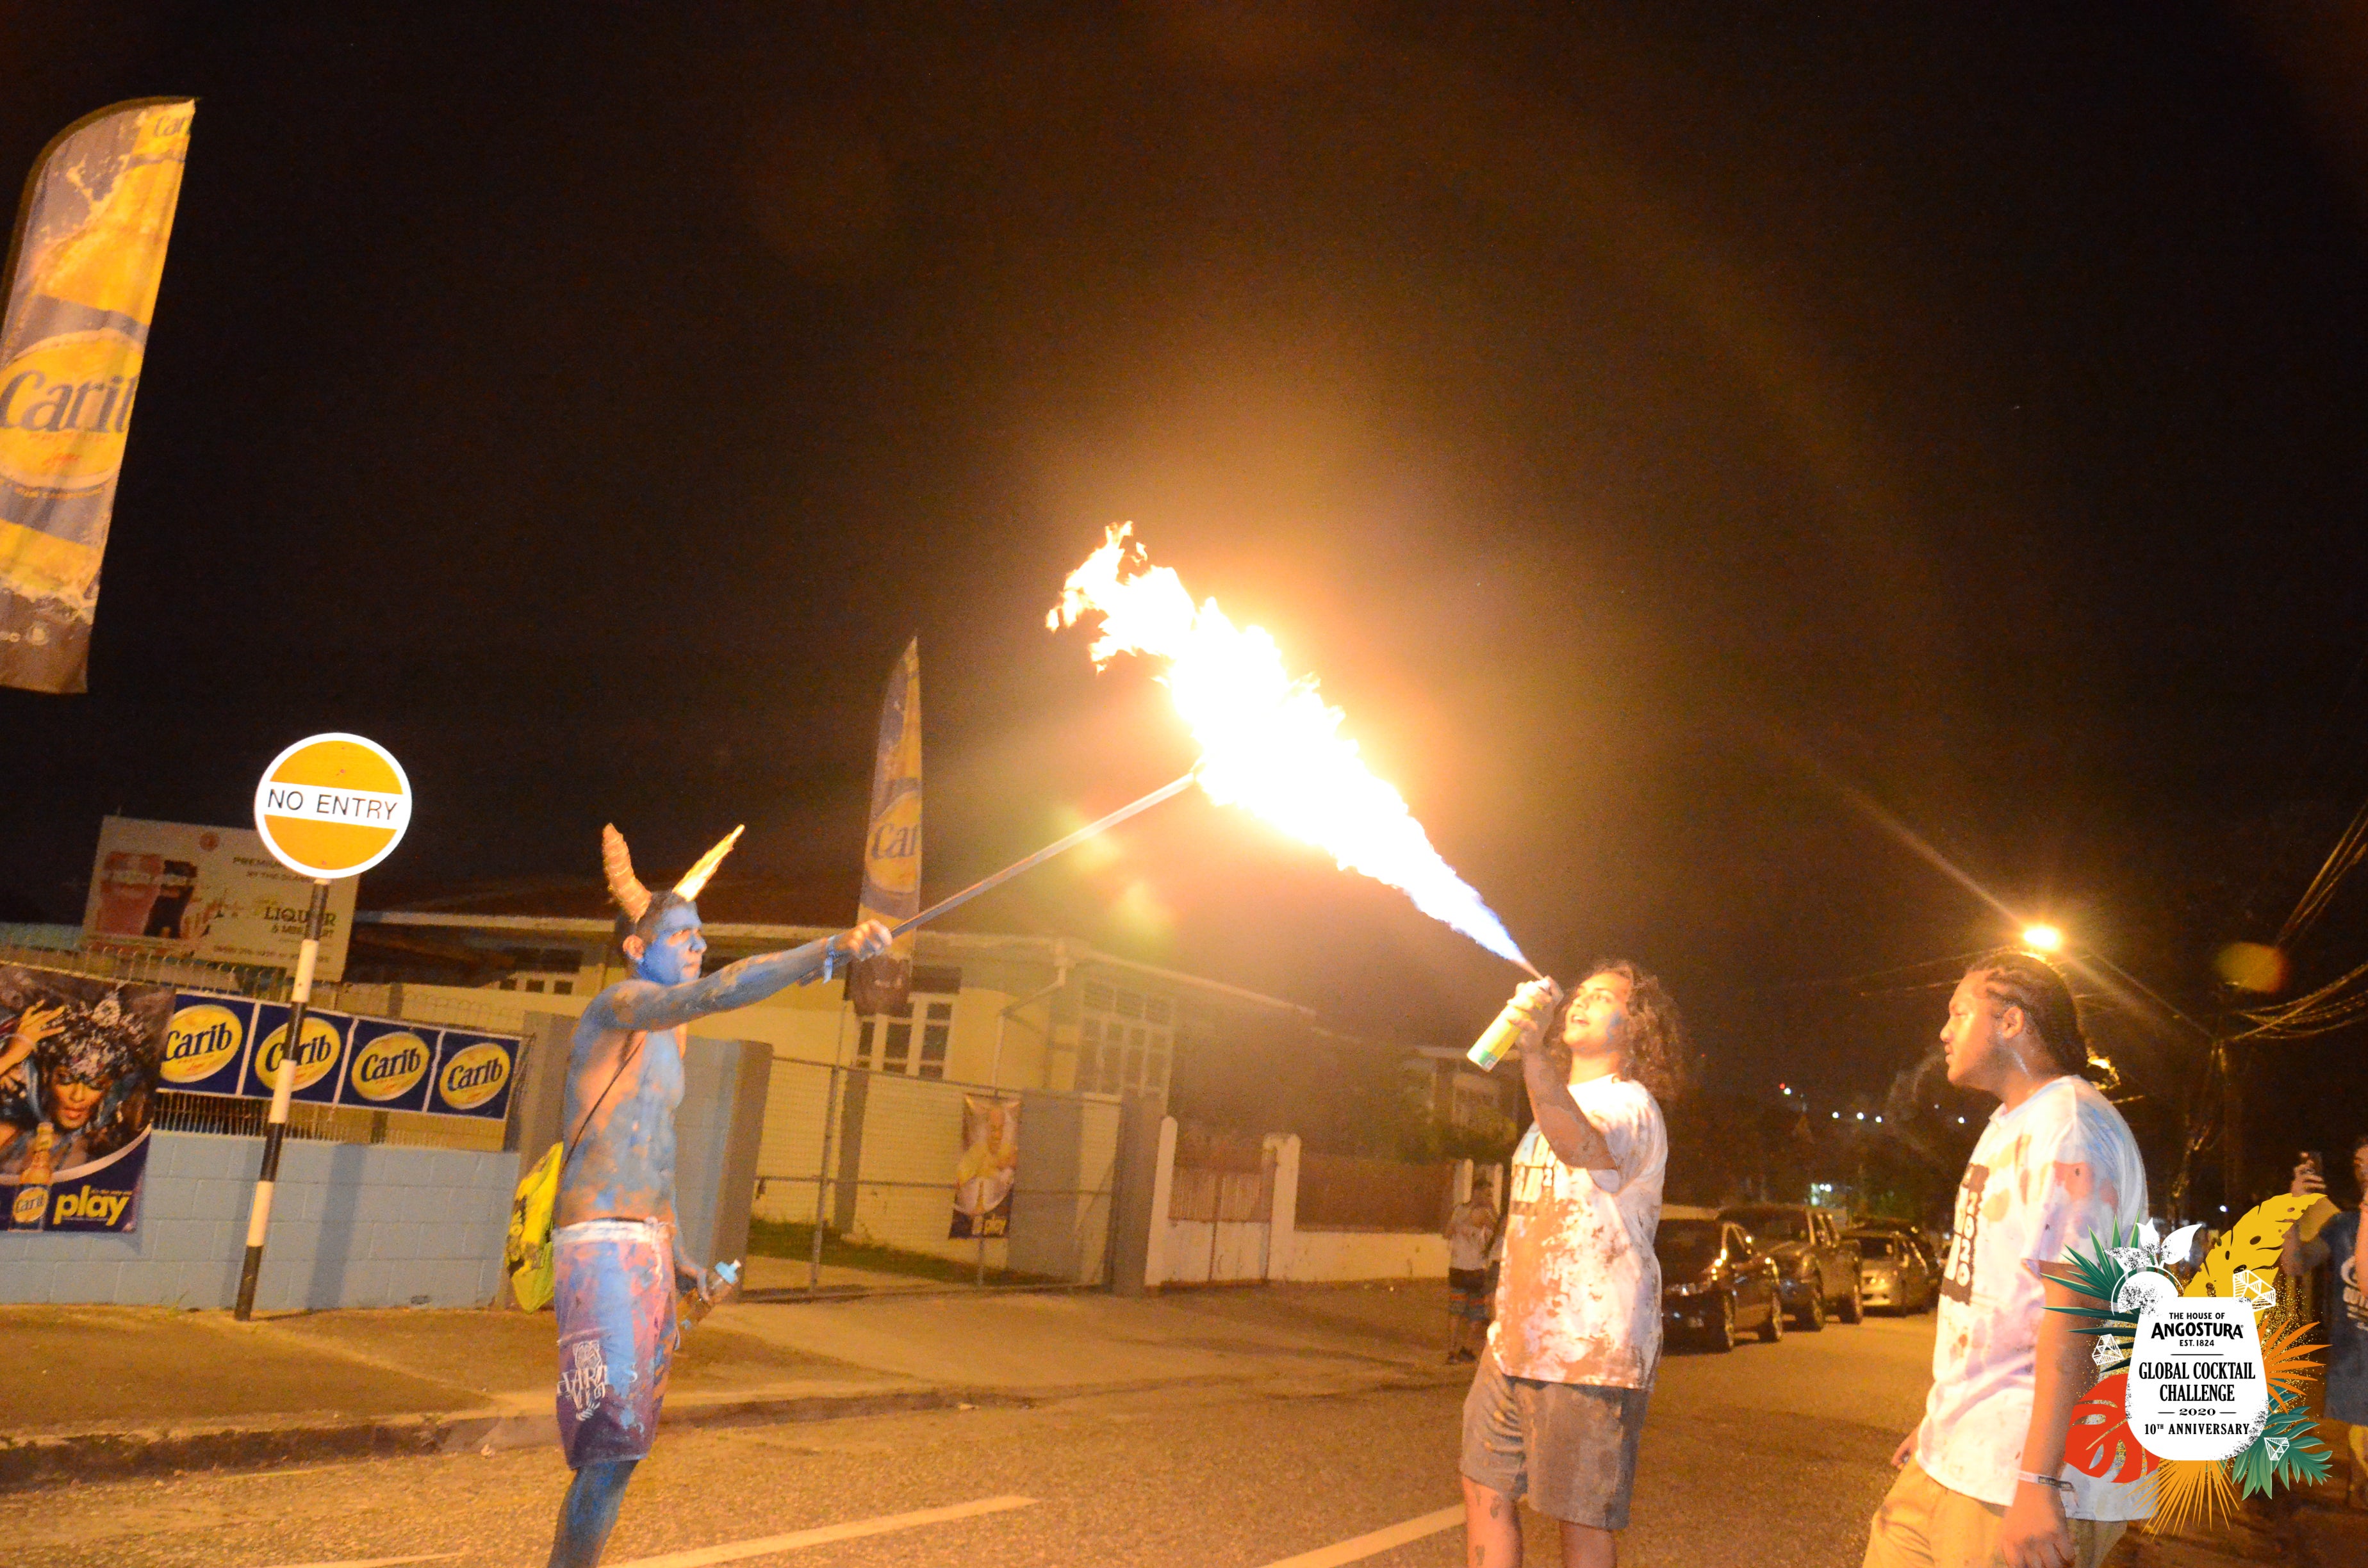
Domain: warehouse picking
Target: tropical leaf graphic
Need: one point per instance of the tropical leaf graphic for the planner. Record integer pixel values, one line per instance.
(2192, 1492)
(2097, 1273)
(2100, 1442)
(2286, 1356)
(2251, 1243)
(2290, 1435)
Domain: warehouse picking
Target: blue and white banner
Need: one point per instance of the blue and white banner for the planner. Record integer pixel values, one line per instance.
(232, 1045)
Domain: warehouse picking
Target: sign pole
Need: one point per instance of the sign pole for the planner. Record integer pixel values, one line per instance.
(332, 805)
(283, 1086)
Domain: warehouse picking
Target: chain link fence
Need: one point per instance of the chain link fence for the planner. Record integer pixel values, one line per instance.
(875, 1158)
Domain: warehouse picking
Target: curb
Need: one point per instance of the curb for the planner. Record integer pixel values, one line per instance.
(30, 1462)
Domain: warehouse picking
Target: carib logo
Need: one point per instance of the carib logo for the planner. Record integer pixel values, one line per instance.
(474, 1076)
(65, 404)
(203, 1040)
(388, 1067)
(323, 1045)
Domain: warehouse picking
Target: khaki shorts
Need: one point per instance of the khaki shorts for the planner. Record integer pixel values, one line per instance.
(1570, 1447)
(1922, 1523)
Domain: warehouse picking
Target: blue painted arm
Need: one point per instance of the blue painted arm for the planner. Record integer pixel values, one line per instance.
(646, 1006)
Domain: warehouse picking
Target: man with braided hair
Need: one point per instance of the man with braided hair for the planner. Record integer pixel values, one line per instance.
(617, 1263)
(1983, 1480)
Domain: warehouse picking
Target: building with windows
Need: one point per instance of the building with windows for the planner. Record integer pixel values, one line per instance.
(1006, 1011)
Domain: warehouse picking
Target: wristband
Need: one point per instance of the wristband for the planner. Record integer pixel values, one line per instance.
(2055, 1482)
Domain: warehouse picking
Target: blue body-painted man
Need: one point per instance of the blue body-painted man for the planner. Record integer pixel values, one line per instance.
(617, 1263)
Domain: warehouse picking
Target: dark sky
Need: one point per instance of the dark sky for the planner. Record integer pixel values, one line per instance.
(1659, 429)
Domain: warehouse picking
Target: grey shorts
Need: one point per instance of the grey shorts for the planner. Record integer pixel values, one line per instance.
(1570, 1447)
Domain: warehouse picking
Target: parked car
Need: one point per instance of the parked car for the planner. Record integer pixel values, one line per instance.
(1894, 1273)
(1716, 1280)
(1934, 1241)
(1895, 1227)
(1818, 1268)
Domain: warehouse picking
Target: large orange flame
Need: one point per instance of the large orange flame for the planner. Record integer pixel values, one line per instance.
(1269, 743)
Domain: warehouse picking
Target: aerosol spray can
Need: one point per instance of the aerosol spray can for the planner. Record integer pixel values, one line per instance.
(1505, 1032)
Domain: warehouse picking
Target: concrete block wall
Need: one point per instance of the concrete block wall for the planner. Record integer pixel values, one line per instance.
(352, 1225)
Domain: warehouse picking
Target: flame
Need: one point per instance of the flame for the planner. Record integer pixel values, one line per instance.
(1269, 743)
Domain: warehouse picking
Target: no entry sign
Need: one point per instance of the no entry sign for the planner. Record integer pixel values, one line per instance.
(333, 805)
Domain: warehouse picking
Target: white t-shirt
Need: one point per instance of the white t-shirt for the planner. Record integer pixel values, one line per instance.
(1579, 1301)
(1468, 1236)
(2046, 1177)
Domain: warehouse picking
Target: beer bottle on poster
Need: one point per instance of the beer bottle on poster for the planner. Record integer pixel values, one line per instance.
(33, 1194)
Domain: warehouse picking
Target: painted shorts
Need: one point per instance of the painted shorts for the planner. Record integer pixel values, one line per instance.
(613, 1290)
(1571, 1447)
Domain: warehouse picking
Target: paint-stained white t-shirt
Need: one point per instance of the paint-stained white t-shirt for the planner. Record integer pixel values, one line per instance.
(1579, 1298)
(2046, 1177)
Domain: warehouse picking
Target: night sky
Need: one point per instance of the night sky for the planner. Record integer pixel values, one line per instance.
(1675, 435)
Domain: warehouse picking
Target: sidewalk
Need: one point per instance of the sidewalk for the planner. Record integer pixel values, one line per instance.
(112, 1391)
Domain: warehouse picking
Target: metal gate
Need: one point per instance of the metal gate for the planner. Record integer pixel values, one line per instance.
(1219, 1209)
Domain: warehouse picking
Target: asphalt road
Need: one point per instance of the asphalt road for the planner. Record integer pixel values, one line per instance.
(1772, 1456)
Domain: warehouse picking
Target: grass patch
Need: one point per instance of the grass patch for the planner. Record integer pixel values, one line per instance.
(792, 1238)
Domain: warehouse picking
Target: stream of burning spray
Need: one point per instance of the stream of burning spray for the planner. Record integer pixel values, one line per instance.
(1269, 743)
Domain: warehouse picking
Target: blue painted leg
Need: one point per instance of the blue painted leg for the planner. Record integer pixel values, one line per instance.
(589, 1513)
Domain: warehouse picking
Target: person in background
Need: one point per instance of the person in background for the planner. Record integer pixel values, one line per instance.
(2341, 1242)
(1471, 1232)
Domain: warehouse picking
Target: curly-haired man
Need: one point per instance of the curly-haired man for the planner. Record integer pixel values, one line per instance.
(1558, 1407)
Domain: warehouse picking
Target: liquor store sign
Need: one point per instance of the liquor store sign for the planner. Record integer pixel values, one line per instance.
(233, 1045)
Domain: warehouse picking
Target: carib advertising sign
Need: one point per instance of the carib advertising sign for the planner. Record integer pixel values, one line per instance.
(230, 1045)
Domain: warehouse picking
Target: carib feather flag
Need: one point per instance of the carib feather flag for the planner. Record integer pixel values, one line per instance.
(892, 848)
(88, 252)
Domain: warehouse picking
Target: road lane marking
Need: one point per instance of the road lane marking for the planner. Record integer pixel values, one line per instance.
(733, 1552)
(1376, 1542)
(372, 1562)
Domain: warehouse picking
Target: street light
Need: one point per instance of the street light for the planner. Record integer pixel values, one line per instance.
(2042, 938)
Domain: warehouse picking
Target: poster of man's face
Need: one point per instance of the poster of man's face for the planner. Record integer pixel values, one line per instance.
(79, 1059)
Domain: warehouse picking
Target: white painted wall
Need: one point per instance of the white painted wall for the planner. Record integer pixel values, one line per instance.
(1193, 1252)
(1319, 1255)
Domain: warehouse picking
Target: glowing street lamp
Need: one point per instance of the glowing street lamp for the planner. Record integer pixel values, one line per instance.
(2042, 938)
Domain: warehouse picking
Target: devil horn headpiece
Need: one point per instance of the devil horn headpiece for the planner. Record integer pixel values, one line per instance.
(618, 862)
(627, 889)
(697, 877)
